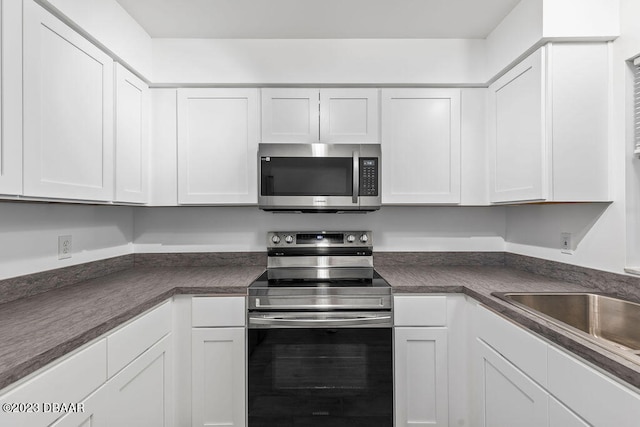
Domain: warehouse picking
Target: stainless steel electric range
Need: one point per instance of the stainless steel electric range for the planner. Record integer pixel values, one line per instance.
(320, 334)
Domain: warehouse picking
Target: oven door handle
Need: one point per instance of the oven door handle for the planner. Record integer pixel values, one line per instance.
(307, 321)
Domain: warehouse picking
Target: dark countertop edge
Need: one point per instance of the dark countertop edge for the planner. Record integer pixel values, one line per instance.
(600, 358)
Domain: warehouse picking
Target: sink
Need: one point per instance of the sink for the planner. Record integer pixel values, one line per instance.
(609, 322)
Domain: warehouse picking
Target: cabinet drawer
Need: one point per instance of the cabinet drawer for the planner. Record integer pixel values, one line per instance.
(218, 311)
(133, 339)
(420, 310)
(69, 381)
(598, 399)
(518, 346)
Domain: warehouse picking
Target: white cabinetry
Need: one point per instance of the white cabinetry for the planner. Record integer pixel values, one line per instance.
(548, 126)
(11, 98)
(68, 111)
(421, 146)
(138, 396)
(508, 397)
(122, 379)
(218, 362)
(598, 399)
(217, 146)
(522, 380)
(132, 138)
(420, 357)
(320, 115)
(561, 416)
(95, 412)
(68, 381)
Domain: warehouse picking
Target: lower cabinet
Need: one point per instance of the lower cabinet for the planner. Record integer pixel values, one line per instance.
(507, 397)
(421, 380)
(140, 395)
(218, 377)
(521, 380)
(95, 411)
(124, 378)
(218, 362)
(561, 416)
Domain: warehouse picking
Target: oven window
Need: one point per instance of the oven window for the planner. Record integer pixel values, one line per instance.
(319, 367)
(307, 176)
(320, 377)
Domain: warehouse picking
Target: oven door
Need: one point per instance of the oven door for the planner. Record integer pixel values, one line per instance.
(320, 376)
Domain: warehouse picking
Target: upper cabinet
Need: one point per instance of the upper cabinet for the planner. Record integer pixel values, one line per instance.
(132, 138)
(320, 115)
(11, 98)
(68, 111)
(548, 126)
(290, 115)
(217, 146)
(420, 146)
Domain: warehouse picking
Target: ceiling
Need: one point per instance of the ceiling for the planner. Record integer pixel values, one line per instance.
(318, 18)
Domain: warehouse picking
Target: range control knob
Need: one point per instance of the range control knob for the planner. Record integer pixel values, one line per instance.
(351, 238)
(288, 238)
(364, 238)
(275, 239)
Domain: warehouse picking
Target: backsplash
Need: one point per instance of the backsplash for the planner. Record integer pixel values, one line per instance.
(623, 286)
(33, 284)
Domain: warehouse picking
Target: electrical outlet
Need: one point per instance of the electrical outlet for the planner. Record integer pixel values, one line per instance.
(566, 245)
(64, 247)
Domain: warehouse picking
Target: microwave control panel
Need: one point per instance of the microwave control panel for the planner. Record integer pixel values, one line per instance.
(368, 176)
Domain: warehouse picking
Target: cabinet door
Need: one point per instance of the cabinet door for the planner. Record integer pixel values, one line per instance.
(11, 98)
(68, 381)
(68, 111)
(290, 115)
(94, 411)
(349, 115)
(507, 397)
(561, 416)
(421, 382)
(218, 377)
(217, 146)
(132, 137)
(597, 398)
(517, 139)
(420, 146)
(140, 395)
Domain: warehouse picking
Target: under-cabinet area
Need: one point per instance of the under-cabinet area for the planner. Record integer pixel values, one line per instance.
(186, 362)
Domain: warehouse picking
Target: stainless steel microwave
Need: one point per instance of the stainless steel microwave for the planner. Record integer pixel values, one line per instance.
(319, 177)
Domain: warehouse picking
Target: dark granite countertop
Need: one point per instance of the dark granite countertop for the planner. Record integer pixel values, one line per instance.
(480, 282)
(36, 330)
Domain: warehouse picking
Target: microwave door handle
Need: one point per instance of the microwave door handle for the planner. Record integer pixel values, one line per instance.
(356, 177)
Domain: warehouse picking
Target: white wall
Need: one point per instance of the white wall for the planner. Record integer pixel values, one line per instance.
(607, 237)
(597, 233)
(518, 32)
(534, 22)
(29, 235)
(110, 25)
(195, 229)
(318, 61)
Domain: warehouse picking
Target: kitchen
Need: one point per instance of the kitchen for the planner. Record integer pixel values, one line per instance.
(466, 226)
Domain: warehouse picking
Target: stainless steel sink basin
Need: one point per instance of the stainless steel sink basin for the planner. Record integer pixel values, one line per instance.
(609, 322)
